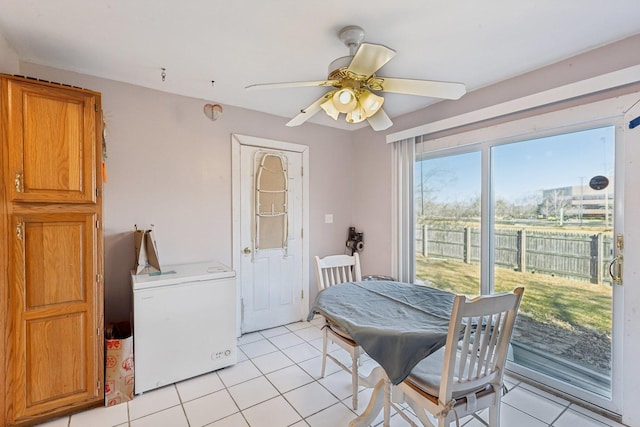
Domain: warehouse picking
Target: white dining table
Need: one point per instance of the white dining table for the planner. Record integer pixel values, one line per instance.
(397, 324)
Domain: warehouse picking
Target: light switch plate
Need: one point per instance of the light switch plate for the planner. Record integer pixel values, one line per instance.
(328, 218)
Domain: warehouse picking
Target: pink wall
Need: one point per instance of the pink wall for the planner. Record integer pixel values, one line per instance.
(372, 199)
(9, 62)
(168, 165)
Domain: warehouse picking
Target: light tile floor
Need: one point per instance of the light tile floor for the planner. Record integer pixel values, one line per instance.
(276, 384)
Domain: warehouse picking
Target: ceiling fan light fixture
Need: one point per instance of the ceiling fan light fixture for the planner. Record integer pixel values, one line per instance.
(356, 86)
(330, 109)
(344, 100)
(356, 115)
(370, 102)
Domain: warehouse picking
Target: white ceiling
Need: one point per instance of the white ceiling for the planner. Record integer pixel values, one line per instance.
(243, 42)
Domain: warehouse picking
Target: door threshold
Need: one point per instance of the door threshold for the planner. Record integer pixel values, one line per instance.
(566, 396)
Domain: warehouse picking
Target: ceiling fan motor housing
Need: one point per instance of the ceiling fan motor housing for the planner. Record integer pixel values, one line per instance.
(338, 68)
(351, 36)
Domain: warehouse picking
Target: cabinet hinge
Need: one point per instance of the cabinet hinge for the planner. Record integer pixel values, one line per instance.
(19, 183)
(19, 230)
(301, 171)
(97, 192)
(97, 223)
(302, 294)
(99, 384)
(95, 107)
(301, 233)
(98, 331)
(98, 278)
(242, 308)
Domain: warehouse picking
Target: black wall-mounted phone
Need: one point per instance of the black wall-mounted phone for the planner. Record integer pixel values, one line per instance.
(355, 240)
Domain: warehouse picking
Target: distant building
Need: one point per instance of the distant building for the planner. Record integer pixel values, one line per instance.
(579, 201)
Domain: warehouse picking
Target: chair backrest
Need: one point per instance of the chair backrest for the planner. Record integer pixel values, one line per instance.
(334, 269)
(478, 359)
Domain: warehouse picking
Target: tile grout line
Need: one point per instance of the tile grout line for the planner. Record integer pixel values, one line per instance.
(280, 394)
(279, 349)
(231, 396)
(566, 408)
(129, 414)
(184, 411)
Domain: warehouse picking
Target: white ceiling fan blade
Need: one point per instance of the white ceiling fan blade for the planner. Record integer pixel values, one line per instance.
(307, 113)
(447, 90)
(380, 121)
(370, 58)
(292, 84)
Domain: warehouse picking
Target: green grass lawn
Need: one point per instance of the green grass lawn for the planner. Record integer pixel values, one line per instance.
(547, 299)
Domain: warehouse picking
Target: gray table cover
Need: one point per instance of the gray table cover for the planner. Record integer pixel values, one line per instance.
(397, 324)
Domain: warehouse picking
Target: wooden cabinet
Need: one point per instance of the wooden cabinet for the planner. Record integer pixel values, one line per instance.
(51, 251)
(52, 143)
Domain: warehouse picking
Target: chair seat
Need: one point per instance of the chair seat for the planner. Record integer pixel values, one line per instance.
(427, 375)
(338, 331)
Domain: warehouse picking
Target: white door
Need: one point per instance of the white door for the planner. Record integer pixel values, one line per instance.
(269, 248)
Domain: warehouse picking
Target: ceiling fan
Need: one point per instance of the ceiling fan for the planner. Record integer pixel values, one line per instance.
(354, 84)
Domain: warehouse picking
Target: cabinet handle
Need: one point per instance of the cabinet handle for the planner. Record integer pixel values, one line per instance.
(18, 182)
(19, 231)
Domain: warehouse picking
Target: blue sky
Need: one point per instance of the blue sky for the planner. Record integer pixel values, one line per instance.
(525, 168)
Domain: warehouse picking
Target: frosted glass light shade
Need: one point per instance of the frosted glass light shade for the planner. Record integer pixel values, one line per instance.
(370, 102)
(357, 115)
(330, 109)
(345, 100)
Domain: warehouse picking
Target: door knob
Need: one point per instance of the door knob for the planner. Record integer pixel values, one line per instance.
(246, 251)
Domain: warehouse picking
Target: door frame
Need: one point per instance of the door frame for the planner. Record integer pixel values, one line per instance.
(236, 248)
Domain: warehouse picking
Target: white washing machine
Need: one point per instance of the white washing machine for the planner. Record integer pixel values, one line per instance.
(184, 323)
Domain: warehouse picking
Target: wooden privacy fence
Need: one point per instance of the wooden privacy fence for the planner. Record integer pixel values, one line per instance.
(580, 256)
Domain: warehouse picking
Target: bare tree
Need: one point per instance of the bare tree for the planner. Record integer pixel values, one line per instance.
(432, 182)
(554, 203)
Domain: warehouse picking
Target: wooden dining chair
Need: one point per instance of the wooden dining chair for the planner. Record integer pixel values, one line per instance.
(331, 270)
(466, 375)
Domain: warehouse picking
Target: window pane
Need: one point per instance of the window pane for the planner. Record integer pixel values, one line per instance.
(447, 212)
(553, 230)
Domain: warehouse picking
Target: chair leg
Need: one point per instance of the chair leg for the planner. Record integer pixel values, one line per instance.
(421, 414)
(387, 403)
(355, 357)
(324, 351)
(494, 414)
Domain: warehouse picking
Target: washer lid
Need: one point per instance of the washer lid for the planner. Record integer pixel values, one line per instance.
(180, 273)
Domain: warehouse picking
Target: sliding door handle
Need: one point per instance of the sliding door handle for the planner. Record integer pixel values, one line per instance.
(615, 270)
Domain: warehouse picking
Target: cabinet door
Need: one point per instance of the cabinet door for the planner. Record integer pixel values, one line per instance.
(55, 350)
(52, 143)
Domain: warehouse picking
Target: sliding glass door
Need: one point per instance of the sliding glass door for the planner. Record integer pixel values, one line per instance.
(447, 212)
(538, 213)
(553, 201)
